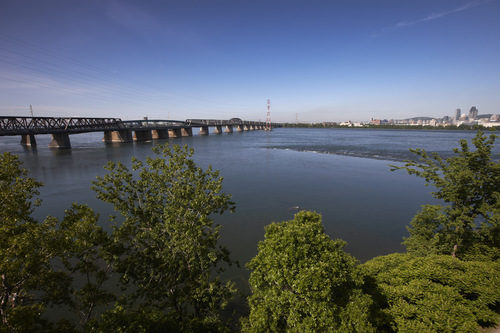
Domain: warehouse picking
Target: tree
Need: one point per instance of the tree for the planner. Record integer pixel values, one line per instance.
(303, 281)
(28, 283)
(436, 293)
(166, 246)
(85, 256)
(469, 183)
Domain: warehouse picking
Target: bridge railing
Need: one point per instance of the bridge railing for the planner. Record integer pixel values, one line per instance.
(217, 122)
(131, 124)
(206, 122)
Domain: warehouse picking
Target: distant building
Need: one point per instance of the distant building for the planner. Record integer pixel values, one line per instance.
(346, 123)
(473, 113)
(458, 114)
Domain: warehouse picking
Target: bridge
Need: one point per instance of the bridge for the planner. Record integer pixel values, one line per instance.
(117, 130)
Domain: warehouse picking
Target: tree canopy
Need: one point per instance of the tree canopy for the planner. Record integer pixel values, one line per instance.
(166, 246)
(163, 250)
(28, 283)
(436, 293)
(468, 224)
(303, 281)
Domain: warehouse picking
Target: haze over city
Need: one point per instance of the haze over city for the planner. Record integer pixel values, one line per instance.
(316, 60)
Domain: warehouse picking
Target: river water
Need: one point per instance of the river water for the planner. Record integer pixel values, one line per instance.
(343, 174)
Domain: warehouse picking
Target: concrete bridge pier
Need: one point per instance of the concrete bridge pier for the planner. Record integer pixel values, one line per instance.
(28, 140)
(251, 128)
(187, 131)
(229, 129)
(204, 130)
(174, 133)
(117, 136)
(60, 140)
(239, 128)
(158, 134)
(218, 129)
(246, 128)
(142, 135)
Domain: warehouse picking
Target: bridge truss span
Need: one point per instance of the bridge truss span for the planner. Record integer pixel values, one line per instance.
(49, 125)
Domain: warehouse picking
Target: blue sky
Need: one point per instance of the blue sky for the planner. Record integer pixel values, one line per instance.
(315, 60)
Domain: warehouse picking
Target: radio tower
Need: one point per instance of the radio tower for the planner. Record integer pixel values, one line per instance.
(268, 116)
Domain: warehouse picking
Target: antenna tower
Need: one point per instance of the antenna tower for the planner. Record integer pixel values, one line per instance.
(268, 116)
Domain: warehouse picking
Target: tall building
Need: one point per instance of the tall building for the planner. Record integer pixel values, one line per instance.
(458, 114)
(473, 113)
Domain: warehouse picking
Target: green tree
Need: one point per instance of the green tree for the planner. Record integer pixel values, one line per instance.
(85, 256)
(166, 246)
(436, 293)
(28, 282)
(303, 281)
(468, 225)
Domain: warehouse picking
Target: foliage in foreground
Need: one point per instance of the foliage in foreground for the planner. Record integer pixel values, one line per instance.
(28, 283)
(303, 281)
(436, 293)
(468, 225)
(166, 248)
(164, 253)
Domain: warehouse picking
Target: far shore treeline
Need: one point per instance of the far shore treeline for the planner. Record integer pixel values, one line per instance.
(462, 127)
(160, 269)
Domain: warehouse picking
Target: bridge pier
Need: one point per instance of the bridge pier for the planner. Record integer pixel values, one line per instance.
(204, 130)
(187, 131)
(229, 129)
(28, 140)
(117, 136)
(239, 128)
(218, 129)
(158, 134)
(60, 140)
(246, 127)
(174, 133)
(142, 135)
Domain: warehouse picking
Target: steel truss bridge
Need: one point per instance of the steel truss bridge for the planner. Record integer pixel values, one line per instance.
(116, 129)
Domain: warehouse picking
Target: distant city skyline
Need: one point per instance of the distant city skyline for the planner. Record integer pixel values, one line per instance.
(315, 60)
(472, 118)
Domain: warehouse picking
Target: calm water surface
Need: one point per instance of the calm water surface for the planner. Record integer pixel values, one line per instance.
(341, 173)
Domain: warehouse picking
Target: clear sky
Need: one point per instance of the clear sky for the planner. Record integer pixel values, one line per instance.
(316, 60)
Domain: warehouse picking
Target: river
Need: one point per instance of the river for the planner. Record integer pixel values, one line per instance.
(343, 174)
